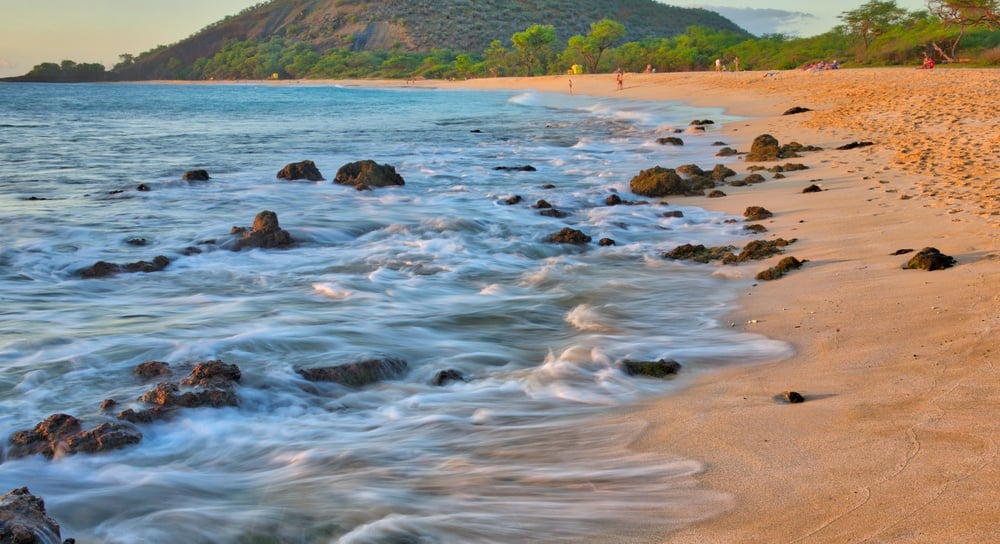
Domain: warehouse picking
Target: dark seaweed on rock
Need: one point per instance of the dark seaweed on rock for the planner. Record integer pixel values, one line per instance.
(701, 254)
(754, 250)
(795, 110)
(757, 213)
(929, 258)
(659, 181)
(662, 368)
(854, 145)
(779, 270)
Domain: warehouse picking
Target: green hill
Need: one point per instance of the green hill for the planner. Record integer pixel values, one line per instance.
(419, 26)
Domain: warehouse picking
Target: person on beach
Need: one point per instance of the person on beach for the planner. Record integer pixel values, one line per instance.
(928, 62)
(736, 64)
(619, 78)
(571, 86)
(718, 65)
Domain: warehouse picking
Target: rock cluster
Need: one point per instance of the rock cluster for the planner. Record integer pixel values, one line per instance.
(766, 148)
(752, 251)
(64, 434)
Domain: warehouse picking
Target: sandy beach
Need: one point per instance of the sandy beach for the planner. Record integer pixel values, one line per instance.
(897, 438)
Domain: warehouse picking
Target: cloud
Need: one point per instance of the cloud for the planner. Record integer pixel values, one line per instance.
(760, 21)
(8, 68)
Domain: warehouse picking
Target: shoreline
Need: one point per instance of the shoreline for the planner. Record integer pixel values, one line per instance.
(896, 440)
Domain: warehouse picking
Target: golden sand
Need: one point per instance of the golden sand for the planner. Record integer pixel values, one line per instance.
(897, 438)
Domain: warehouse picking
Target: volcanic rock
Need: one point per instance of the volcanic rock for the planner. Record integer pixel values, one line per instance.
(197, 175)
(929, 258)
(670, 140)
(300, 170)
(795, 110)
(653, 369)
(357, 374)
(23, 519)
(569, 236)
(265, 233)
(64, 433)
(525, 168)
(764, 148)
(854, 145)
(368, 173)
(779, 270)
(444, 377)
(757, 213)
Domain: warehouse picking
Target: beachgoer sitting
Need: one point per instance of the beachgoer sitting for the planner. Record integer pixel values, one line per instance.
(928, 63)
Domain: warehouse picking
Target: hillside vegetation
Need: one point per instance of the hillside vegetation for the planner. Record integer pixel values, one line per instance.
(477, 38)
(416, 26)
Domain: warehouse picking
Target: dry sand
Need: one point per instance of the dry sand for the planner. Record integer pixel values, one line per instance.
(897, 438)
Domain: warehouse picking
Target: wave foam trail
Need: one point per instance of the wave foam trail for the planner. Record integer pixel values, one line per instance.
(506, 347)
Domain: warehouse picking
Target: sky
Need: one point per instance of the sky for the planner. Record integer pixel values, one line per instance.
(37, 31)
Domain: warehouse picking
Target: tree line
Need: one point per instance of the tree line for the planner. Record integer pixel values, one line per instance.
(878, 33)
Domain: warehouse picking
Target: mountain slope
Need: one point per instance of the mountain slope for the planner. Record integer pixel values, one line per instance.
(421, 25)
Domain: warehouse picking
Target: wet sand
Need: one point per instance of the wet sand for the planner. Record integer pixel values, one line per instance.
(897, 438)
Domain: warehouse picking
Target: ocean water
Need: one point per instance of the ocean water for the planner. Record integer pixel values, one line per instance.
(440, 272)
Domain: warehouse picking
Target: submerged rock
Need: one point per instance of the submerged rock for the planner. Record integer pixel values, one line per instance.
(670, 140)
(444, 377)
(653, 369)
(103, 269)
(356, 374)
(151, 369)
(196, 175)
(700, 254)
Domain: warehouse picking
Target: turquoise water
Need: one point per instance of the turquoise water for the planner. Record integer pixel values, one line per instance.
(440, 272)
